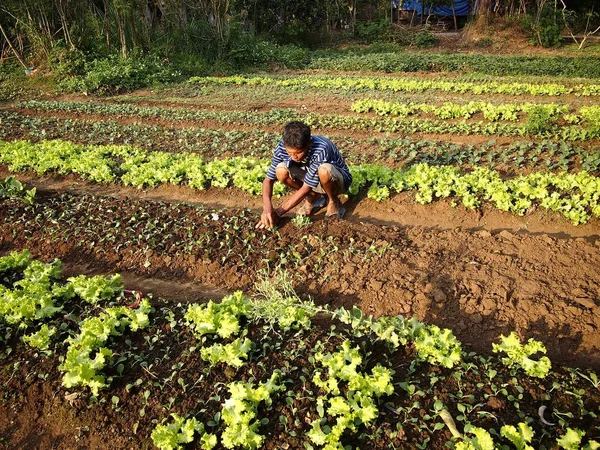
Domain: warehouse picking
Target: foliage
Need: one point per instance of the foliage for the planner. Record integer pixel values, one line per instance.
(566, 66)
(539, 120)
(32, 298)
(87, 354)
(544, 26)
(573, 195)
(405, 84)
(219, 318)
(222, 319)
(438, 346)
(247, 51)
(338, 121)
(301, 220)
(13, 188)
(181, 431)
(234, 353)
(571, 440)
(96, 288)
(357, 405)
(539, 115)
(424, 39)
(373, 31)
(333, 391)
(116, 74)
(510, 157)
(519, 355)
(434, 345)
(41, 338)
(481, 440)
(240, 412)
(277, 304)
(520, 436)
(16, 261)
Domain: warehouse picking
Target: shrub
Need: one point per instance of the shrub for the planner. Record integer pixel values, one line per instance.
(248, 51)
(377, 30)
(424, 39)
(544, 28)
(116, 74)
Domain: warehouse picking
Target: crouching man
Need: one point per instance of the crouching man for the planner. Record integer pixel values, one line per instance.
(310, 165)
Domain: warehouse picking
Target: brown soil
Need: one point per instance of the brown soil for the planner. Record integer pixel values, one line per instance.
(400, 209)
(478, 283)
(479, 273)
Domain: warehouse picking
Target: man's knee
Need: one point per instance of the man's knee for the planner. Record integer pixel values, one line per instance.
(324, 172)
(282, 172)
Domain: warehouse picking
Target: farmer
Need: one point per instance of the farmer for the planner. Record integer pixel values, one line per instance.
(310, 165)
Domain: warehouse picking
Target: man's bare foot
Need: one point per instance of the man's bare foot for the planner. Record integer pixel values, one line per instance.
(333, 207)
(335, 210)
(313, 203)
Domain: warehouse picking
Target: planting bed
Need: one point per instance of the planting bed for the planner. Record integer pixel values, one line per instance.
(514, 263)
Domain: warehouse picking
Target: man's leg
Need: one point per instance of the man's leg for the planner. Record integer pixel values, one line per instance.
(332, 186)
(283, 175)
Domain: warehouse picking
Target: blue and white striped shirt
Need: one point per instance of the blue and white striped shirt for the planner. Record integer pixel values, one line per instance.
(321, 151)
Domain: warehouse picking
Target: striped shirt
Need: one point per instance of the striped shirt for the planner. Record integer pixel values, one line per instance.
(321, 151)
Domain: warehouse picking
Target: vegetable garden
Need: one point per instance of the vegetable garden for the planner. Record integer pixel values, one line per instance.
(456, 307)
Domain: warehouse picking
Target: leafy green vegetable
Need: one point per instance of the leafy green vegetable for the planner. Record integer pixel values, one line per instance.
(357, 406)
(482, 440)
(12, 188)
(15, 261)
(87, 356)
(219, 318)
(181, 431)
(240, 412)
(520, 436)
(519, 355)
(41, 339)
(571, 440)
(96, 288)
(233, 353)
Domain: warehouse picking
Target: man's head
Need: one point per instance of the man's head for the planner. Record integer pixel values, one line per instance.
(296, 140)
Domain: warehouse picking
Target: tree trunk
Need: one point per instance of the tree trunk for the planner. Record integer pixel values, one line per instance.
(482, 12)
(12, 48)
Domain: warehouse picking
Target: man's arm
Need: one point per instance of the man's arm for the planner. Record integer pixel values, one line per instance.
(270, 216)
(294, 200)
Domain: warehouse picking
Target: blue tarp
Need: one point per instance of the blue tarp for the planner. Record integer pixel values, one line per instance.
(461, 8)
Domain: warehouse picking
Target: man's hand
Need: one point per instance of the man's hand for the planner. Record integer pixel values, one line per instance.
(268, 219)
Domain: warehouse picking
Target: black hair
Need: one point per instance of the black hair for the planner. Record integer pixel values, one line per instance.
(296, 135)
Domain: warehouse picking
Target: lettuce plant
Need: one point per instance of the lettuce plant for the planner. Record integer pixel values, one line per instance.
(181, 431)
(520, 356)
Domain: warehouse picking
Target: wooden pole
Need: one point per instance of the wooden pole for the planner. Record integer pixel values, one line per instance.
(454, 15)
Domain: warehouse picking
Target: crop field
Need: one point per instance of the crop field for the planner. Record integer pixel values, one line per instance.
(456, 305)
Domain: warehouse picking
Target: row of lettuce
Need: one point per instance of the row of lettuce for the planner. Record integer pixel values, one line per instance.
(405, 84)
(32, 293)
(574, 195)
(539, 124)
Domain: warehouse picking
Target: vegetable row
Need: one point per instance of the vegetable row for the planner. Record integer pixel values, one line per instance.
(575, 196)
(589, 115)
(539, 126)
(565, 66)
(405, 84)
(344, 393)
(216, 143)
